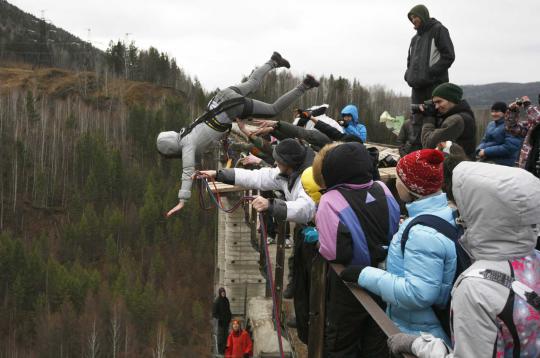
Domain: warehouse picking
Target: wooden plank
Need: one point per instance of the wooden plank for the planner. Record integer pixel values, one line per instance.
(387, 173)
(317, 294)
(279, 269)
(225, 188)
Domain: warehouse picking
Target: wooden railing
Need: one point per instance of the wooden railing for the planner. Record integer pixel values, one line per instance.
(317, 307)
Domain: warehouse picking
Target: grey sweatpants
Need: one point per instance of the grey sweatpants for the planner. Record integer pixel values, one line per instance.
(259, 109)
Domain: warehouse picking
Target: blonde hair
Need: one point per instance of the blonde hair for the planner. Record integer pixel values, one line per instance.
(318, 162)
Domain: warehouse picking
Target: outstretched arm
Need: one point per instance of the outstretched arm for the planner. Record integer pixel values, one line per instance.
(188, 169)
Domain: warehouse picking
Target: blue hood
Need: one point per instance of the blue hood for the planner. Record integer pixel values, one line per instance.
(351, 110)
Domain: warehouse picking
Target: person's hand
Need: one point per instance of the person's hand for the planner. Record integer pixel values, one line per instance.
(263, 123)
(481, 153)
(313, 119)
(400, 343)
(211, 174)
(176, 209)
(260, 204)
(251, 160)
(264, 130)
(351, 273)
(241, 124)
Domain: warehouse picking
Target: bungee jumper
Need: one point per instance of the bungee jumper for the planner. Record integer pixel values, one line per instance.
(226, 106)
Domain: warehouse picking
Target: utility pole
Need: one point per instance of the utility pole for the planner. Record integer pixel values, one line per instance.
(126, 54)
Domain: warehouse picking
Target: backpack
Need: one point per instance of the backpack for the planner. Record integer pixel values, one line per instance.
(519, 321)
(463, 260)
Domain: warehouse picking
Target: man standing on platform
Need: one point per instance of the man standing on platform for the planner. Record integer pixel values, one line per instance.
(431, 54)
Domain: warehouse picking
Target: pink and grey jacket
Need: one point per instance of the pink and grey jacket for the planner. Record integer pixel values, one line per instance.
(356, 222)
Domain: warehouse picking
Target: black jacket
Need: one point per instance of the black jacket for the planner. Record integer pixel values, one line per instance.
(409, 136)
(222, 311)
(431, 53)
(457, 125)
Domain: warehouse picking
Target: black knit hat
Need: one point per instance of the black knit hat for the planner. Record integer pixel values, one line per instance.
(348, 163)
(290, 153)
(499, 107)
(449, 92)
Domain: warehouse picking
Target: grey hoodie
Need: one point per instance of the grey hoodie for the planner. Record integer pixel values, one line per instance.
(501, 211)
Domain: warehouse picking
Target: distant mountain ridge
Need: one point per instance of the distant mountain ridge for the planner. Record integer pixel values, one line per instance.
(483, 96)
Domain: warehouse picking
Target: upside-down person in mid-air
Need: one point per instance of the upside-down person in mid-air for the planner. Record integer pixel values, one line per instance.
(223, 109)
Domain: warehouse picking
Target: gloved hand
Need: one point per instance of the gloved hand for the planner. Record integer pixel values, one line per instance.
(311, 235)
(400, 343)
(351, 273)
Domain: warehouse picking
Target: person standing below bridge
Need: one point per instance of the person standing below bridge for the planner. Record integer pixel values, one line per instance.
(226, 106)
(239, 344)
(222, 312)
(431, 53)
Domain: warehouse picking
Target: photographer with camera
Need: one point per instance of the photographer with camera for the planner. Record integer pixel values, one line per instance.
(448, 117)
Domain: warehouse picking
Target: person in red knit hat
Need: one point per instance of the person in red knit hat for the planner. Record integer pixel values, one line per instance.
(239, 344)
(419, 273)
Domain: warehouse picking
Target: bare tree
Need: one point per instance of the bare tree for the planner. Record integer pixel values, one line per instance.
(93, 344)
(161, 342)
(115, 331)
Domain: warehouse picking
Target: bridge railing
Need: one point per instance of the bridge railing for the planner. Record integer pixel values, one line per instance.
(317, 307)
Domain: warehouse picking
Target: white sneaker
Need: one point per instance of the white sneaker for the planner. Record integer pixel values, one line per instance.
(270, 240)
(288, 243)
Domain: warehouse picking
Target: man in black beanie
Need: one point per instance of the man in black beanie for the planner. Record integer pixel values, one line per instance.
(291, 158)
(431, 53)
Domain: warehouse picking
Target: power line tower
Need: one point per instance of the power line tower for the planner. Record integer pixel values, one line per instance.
(43, 51)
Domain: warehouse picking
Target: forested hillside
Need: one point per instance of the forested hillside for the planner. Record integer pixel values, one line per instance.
(89, 266)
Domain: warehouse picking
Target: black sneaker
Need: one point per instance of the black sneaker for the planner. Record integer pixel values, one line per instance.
(280, 61)
(289, 292)
(310, 81)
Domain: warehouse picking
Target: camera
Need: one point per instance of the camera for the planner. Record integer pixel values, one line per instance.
(305, 114)
(519, 101)
(429, 108)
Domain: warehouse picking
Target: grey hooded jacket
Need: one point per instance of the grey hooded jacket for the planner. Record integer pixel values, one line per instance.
(500, 207)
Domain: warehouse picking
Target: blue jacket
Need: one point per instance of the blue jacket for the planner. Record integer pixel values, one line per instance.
(354, 127)
(500, 146)
(420, 278)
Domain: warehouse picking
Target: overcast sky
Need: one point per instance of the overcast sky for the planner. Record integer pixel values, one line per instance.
(219, 41)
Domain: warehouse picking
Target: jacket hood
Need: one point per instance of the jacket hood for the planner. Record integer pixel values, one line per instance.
(351, 109)
(421, 11)
(348, 163)
(499, 206)
(168, 143)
